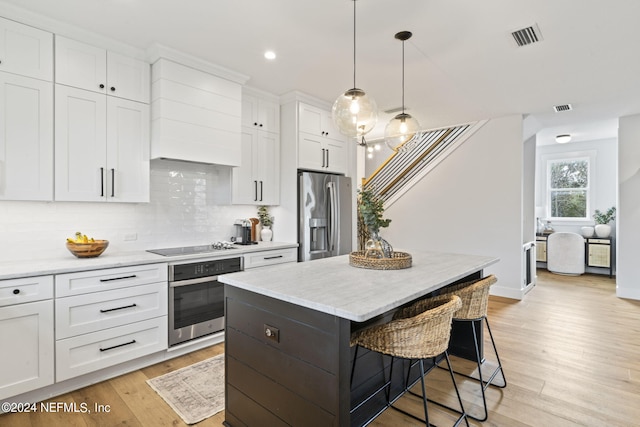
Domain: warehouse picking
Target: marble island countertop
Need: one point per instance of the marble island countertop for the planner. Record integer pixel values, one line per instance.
(332, 286)
(109, 259)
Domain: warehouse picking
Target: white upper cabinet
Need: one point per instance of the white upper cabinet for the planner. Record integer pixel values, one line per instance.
(26, 50)
(260, 113)
(320, 145)
(98, 70)
(102, 147)
(26, 138)
(127, 151)
(317, 122)
(257, 180)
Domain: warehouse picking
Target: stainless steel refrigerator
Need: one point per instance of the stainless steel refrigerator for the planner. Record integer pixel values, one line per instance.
(324, 215)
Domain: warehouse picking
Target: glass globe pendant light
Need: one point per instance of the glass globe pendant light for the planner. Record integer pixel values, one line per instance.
(354, 112)
(400, 131)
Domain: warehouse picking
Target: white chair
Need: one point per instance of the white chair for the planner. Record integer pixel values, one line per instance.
(565, 253)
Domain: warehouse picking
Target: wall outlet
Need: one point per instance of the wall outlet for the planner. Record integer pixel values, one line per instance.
(130, 237)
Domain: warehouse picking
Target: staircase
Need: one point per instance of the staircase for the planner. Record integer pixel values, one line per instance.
(403, 169)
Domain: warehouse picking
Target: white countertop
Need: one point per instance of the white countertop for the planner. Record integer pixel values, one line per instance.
(110, 259)
(332, 286)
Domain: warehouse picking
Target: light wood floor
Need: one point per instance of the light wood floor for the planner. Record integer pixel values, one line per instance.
(570, 350)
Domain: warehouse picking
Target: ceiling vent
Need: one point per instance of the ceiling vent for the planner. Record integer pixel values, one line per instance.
(562, 108)
(526, 36)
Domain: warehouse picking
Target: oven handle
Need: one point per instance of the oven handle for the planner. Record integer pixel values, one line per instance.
(193, 281)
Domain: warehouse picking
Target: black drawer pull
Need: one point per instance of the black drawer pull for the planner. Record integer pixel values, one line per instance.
(118, 278)
(273, 257)
(118, 308)
(119, 345)
(16, 291)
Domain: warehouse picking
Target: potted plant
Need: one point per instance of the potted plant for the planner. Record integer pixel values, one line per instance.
(602, 219)
(266, 234)
(370, 210)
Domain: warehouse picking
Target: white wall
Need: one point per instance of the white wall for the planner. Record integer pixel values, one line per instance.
(190, 204)
(628, 221)
(471, 203)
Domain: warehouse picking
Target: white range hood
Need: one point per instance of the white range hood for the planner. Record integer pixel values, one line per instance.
(195, 115)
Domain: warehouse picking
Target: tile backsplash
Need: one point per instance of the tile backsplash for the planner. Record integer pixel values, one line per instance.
(190, 204)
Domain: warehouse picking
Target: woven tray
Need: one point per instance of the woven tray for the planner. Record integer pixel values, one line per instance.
(399, 261)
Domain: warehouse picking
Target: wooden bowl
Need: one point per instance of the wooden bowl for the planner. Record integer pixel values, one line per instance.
(88, 250)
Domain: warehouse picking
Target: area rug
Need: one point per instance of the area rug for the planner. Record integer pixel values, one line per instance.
(195, 392)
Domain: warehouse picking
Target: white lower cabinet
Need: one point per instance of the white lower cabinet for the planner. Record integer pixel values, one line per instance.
(272, 257)
(26, 330)
(87, 353)
(92, 312)
(109, 316)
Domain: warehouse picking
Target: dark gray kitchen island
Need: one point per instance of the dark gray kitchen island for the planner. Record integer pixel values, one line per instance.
(287, 354)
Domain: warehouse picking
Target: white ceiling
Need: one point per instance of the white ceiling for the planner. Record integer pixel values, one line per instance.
(462, 63)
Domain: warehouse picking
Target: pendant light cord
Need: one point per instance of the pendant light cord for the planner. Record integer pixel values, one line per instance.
(354, 43)
(402, 76)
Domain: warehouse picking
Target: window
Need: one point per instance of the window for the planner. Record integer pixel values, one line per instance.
(568, 187)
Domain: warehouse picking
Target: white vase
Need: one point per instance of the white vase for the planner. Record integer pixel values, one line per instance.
(603, 230)
(587, 231)
(266, 233)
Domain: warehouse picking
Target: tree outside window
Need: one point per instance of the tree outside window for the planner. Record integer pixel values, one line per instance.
(568, 188)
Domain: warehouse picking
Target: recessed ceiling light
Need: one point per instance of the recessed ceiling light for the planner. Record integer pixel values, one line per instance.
(270, 54)
(564, 138)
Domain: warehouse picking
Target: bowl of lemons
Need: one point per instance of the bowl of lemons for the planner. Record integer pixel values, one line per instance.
(86, 247)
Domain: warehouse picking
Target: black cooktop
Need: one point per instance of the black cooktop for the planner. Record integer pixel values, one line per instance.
(191, 250)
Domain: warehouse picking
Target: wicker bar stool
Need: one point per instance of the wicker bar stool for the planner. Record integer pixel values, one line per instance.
(475, 298)
(413, 334)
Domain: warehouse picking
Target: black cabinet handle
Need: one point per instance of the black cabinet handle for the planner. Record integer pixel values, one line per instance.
(16, 291)
(273, 257)
(118, 308)
(113, 182)
(113, 89)
(260, 190)
(101, 182)
(119, 345)
(327, 157)
(255, 123)
(323, 157)
(255, 191)
(260, 125)
(101, 86)
(118, 278)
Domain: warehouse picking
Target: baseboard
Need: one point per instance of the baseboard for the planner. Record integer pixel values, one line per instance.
(628, 293)
(505, 292)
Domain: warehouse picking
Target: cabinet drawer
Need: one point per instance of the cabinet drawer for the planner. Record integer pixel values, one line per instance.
(18, 291)
(91, 352)
(82, 314)
(265, 258)
(113, 278)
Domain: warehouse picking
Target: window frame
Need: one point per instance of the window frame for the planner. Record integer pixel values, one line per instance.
(568, 157)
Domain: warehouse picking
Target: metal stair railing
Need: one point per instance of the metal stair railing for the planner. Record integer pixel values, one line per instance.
(404, 168)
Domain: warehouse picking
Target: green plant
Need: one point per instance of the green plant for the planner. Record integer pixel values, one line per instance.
(371, 209)
(265, 218)
(606, 217)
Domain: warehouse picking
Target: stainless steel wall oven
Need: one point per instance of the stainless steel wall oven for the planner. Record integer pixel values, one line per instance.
(196, 298)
